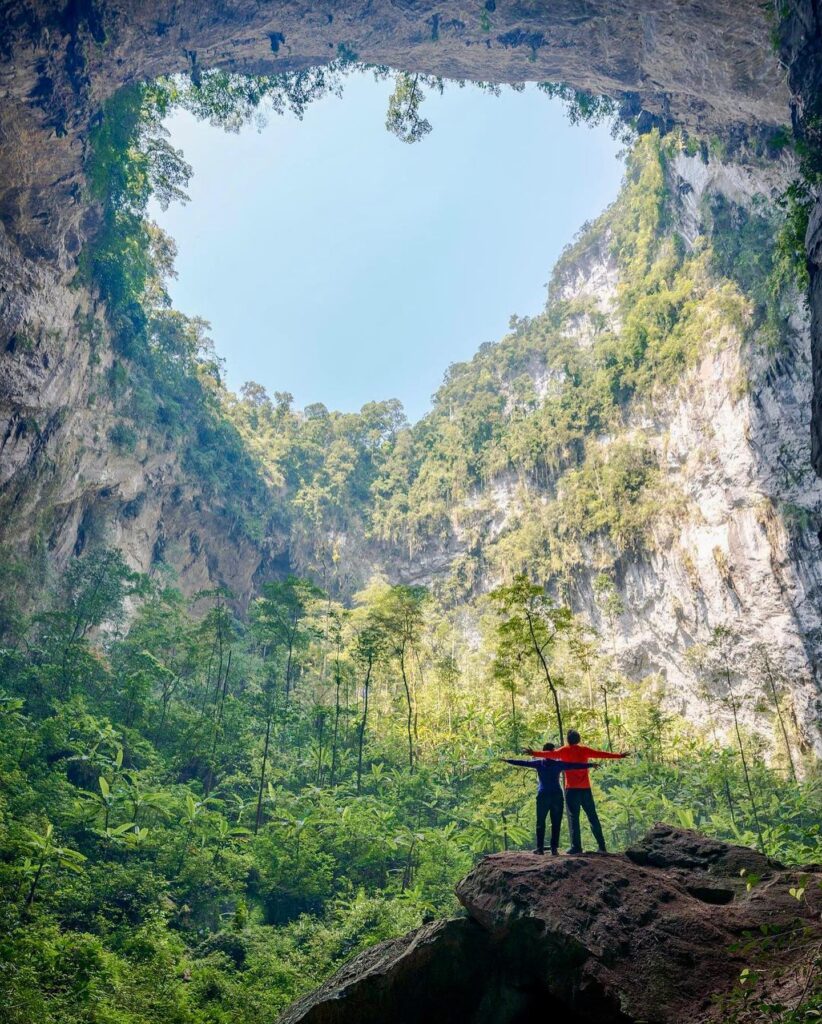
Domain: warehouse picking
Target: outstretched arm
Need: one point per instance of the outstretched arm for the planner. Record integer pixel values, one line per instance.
(519, 764)
(552, 755)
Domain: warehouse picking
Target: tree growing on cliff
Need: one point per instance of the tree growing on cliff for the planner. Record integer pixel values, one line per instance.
(403, 118)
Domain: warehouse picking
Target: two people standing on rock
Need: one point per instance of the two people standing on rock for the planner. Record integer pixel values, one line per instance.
(573, 761)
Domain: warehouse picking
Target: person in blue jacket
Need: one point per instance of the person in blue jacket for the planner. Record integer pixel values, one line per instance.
(550, 799)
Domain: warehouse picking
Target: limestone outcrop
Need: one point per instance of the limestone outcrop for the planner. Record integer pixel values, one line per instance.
(659, 934)
(711, 67)
(742, 548)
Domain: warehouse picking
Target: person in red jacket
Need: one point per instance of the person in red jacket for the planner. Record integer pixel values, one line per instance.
(578, 795)
(549, 793)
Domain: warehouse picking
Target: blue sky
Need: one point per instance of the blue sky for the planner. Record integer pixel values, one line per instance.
(340, 264)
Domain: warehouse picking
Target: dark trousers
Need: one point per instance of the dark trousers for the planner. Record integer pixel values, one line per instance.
(548, 803)
(577, 800)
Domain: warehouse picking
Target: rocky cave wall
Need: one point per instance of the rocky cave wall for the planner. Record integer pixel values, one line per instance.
(801, 52)
(742, 548)
(709, 66)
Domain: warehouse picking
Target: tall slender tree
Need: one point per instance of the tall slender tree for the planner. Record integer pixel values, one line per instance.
(723, 642)
(530, 625)
(281, 621)
(369, 645)
(399, 612)
(611, 606)
(336, 635)
(772, 685)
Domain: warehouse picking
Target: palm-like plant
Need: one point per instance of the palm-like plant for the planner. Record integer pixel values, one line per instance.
(45, 853)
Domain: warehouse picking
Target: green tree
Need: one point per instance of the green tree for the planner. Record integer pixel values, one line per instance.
(399, 611)
(722, 644)
(773, 685)
(280, 618)
(611, 606)
(369, 646)
(531, 624)
(403, 118)
(45, 853)
(92, 593)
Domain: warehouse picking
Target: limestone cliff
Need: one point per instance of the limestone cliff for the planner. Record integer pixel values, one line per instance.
(64, 478)
(59, 62)
(709, 66)
(742, 548)
(746, 552)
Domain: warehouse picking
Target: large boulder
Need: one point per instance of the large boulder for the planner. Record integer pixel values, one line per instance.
(659, 934)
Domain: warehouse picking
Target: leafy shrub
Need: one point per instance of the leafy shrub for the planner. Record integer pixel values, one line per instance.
(123, 437)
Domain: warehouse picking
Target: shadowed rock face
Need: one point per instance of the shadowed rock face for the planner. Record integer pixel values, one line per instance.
(802, 55)
(710, 66)
(645, 936)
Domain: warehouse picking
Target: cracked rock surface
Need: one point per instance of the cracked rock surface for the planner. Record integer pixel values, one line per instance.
(650, 935)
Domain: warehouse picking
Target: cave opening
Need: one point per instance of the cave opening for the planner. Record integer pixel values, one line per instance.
(376, 292)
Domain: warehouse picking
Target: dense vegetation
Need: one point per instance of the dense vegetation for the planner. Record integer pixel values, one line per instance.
(202, 814)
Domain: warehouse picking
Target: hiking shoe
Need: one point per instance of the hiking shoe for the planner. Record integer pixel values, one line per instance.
(538, 850)
(554, 851)
(574, 850)
(602, 850)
